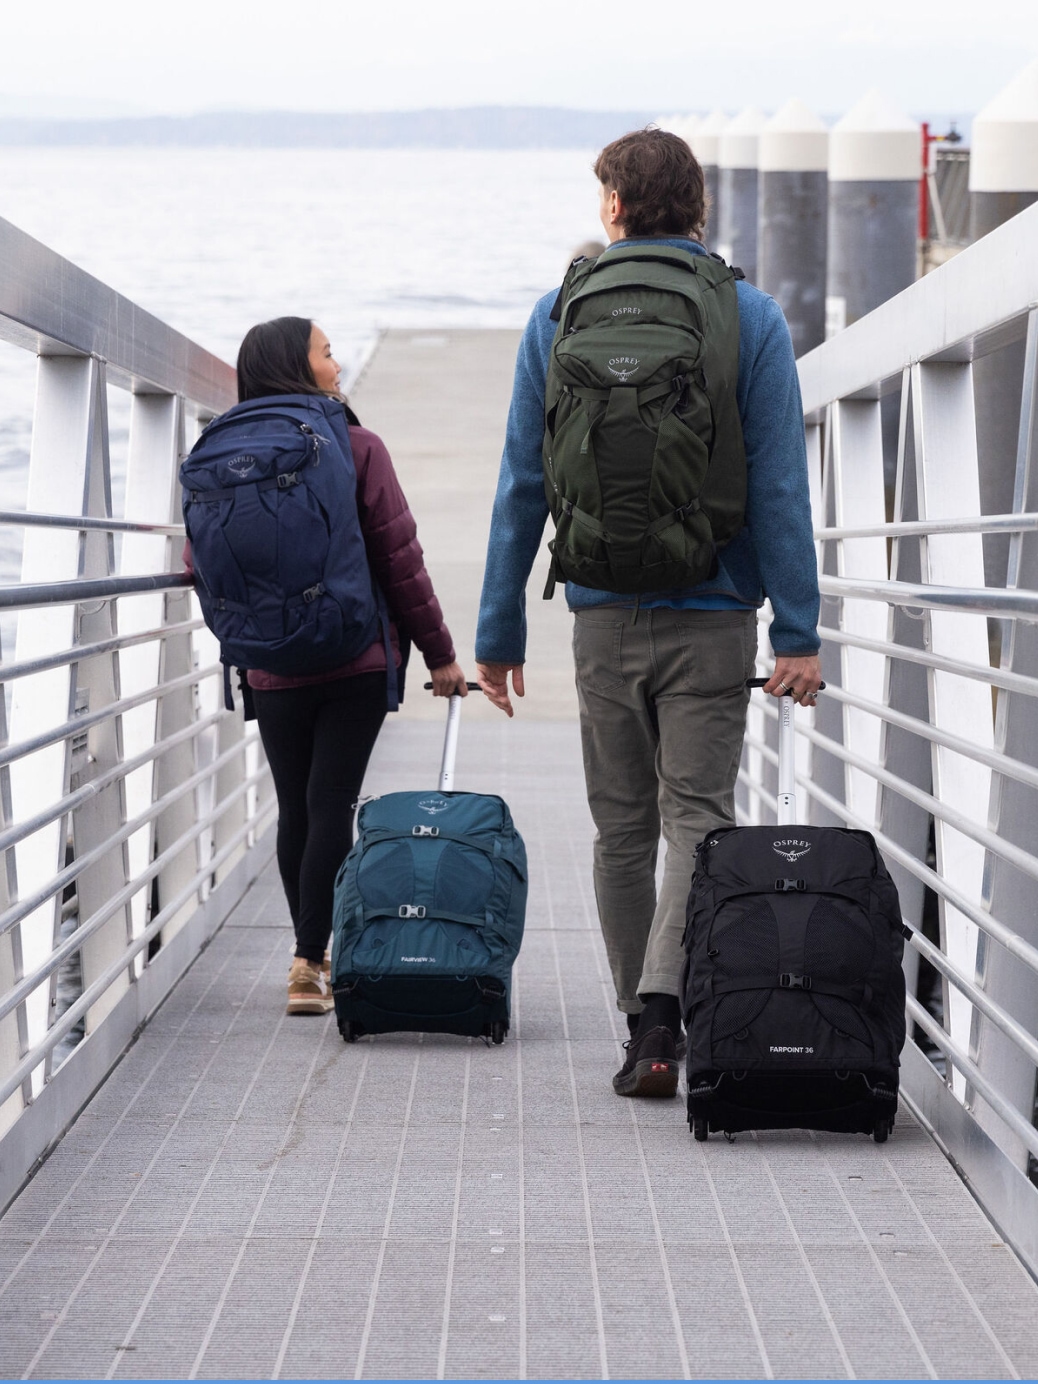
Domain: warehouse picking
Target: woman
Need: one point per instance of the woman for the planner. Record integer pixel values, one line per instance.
(318, 730)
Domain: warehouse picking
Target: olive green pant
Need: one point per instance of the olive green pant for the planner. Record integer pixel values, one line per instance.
(662, 717)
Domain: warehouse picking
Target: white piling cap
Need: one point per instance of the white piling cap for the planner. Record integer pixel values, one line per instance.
(708, 136)
(738, 145)
(875, 142)
(1004, 156)
(683, 125)
(794, 141)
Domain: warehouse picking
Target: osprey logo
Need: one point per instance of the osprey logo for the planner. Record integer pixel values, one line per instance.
(623, 367)
(434, 805)
(791, 850)
(626, 312)
(241, 465)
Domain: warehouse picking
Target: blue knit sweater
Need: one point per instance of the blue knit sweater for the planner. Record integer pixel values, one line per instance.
(774, 554)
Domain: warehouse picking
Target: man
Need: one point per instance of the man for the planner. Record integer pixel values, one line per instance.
(661, 677)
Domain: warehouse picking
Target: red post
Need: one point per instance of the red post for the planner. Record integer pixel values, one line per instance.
(924, 191)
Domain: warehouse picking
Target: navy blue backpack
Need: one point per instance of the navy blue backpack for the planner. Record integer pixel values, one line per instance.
(281, 569)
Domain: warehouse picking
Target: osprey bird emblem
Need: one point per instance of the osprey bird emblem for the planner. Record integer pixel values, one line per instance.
(791, 850)
(623, 367)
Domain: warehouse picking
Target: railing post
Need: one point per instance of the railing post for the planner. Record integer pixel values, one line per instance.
(1009, 895)
(68, 394)
(947, 480)
(95, 685)
(857, 462)
(152, 496)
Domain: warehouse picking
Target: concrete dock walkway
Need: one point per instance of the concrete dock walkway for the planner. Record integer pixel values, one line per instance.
(248, 1197)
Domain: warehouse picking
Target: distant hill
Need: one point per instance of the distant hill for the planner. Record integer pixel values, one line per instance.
(475, 127)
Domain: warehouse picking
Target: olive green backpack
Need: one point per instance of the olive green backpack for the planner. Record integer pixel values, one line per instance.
(644, 464)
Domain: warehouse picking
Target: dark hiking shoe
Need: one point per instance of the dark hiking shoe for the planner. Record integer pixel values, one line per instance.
(680, 1042)
(651, 1068)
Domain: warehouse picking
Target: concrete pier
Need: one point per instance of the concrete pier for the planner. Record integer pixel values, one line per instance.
(875, 162)
(249, 1197)
(737, 190)
(793, 220)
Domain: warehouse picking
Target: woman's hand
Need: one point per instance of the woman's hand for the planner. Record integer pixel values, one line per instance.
(448, 680)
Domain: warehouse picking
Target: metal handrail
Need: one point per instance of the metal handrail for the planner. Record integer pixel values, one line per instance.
(1026, 1133)
(930, 528)
(982, 600)
(21, 831)
(995, 677)
(87, 719)
(987, 922)
(97, 920)
(88, 589)
(79, 1008)
(1002, 764)
(10, 671)
(28, 519)
(24, 907)
(1003, 1021)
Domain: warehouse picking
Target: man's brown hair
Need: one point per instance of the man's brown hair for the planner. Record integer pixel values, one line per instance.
(659, 181)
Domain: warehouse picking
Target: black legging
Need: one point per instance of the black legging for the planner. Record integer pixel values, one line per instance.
(318, 740)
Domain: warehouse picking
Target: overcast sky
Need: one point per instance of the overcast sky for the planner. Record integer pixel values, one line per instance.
(931, 56)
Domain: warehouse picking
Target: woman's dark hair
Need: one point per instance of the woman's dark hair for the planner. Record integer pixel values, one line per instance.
(274, 359)
(658, 180)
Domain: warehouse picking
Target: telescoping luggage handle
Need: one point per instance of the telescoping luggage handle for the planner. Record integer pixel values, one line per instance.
(787, 796)
(450, 738)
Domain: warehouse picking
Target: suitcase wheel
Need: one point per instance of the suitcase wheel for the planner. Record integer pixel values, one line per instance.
(350, 1031)
(881, 1130)
(498, 1029)
(700, 1130)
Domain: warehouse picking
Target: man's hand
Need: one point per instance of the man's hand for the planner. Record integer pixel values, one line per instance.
(801, 676)
(493, 678)
(448, 680)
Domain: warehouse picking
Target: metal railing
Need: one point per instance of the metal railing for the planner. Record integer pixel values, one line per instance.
(922, 428)
(134, 810)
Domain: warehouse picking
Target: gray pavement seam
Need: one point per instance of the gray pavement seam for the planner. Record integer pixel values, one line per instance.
(596, 1286)
(441, 1361)
(808, 1268)
(520, 1119)
(123, 1115)
(973, 1304)
(213, 1164)
(881, 1271)
(322, 1216)
(369, 1316)
(643, 1163)
(740, 1278)
(110, 1234)
(261, 1199)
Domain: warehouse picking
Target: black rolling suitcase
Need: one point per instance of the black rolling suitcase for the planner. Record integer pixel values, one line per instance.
(794, 996)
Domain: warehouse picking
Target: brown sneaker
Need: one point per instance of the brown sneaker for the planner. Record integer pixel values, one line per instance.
(651, 1068)
(307, 991)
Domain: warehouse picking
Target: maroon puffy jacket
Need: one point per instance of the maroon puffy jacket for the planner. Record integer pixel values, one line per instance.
(396, 559)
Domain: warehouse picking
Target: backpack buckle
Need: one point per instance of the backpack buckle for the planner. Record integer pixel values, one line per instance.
(425, 831)
(410, 910)
(783, 886)
(289, 478)
(312, 592)
(791, 982)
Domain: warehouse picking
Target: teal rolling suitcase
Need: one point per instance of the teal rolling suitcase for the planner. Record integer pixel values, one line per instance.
(429, 911)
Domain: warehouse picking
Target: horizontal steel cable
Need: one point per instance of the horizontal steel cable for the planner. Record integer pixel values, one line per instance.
(987, 923)
(10, 671)
(91, 995)
(24, 988)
